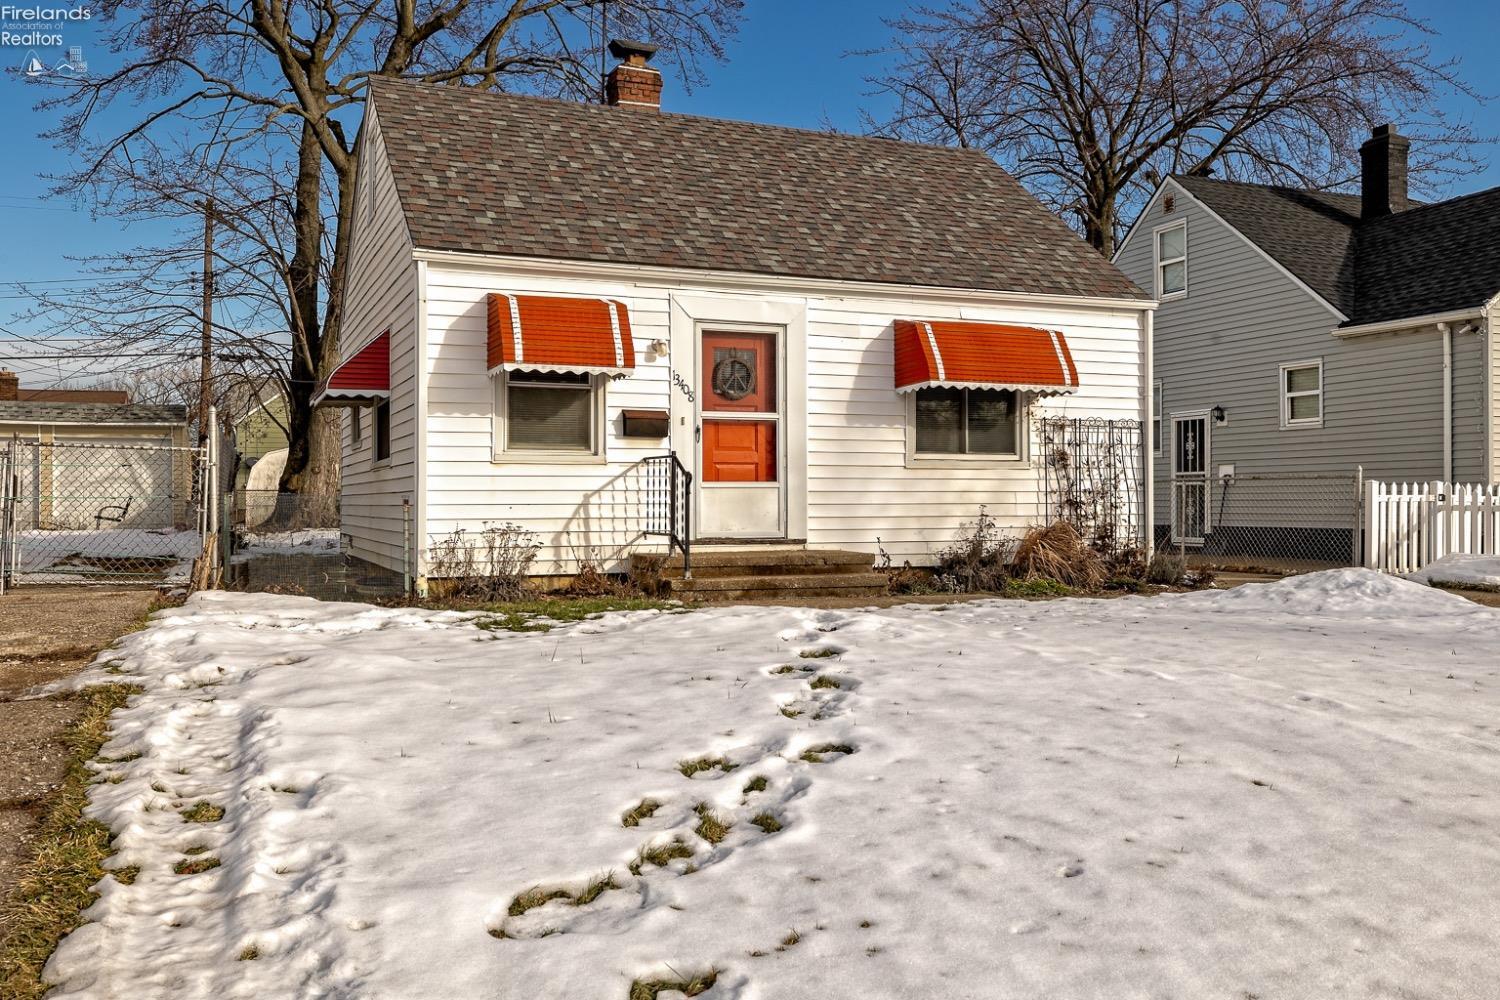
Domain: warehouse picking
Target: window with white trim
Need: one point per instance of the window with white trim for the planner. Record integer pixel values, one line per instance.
(1156, 417)
(1302, 394)
(967, 422)
(1171, 261)
(548, 413)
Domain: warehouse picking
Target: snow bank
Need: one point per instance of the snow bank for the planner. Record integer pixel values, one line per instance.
(1464, 570)
(1080, 799)
(1342, 592)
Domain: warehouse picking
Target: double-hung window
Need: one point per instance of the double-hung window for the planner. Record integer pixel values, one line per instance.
(548, 413)
(1302, 394)
(980, 423)
(1171, 261)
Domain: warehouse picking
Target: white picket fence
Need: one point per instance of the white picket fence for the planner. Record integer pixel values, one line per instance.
(1408, 525)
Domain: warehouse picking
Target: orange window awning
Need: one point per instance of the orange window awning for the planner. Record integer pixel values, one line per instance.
(964, 355)
(557, 334)
(361, 379)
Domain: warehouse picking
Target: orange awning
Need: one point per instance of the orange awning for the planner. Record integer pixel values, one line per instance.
(361, 379)
(962, 355)
(557, 334)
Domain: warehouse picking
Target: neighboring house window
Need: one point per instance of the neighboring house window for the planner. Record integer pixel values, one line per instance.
(356, 426)
(976, 422)
(1156, 417)
(1302, 394)
(549, 413)
(1171, 261)
(382, 422)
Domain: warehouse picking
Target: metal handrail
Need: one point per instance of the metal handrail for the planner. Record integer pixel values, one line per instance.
(669, 492)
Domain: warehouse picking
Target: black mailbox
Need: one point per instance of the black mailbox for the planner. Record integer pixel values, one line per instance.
(646, 423)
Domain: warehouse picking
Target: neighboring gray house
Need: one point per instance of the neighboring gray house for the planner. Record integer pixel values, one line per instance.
(1303, 334)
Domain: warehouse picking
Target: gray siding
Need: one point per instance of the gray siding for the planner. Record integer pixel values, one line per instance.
(1223, 344)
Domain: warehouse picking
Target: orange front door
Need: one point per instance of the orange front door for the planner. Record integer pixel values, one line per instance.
(740, 493)
(739, 377)
(739, 451)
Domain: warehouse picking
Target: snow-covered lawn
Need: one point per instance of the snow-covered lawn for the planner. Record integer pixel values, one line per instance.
(1461, 570)
(1283, 791)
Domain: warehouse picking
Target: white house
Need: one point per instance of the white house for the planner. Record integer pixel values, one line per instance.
(601, 321)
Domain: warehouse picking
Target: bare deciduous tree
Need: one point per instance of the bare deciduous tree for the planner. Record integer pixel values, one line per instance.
(1091, 102)
(291, 75)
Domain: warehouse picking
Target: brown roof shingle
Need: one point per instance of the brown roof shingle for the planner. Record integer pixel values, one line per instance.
(524, 176)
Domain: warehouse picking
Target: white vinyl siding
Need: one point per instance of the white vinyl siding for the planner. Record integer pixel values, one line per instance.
(859, 483)
(381, 295)
(1302, 394)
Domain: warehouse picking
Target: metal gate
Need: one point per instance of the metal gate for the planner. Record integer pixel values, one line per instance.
(101, 511)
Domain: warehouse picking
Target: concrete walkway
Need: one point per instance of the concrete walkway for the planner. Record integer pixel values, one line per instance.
(46, 633)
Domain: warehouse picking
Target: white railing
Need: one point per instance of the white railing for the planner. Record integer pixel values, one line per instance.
(1409, 525)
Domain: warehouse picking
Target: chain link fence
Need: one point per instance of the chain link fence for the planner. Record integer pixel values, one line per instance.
(1264, 523)
(76, 512)
(287, 543)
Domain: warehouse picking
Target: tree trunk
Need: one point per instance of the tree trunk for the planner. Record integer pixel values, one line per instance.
(313, 438)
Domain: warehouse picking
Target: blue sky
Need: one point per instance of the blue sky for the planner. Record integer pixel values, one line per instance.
(788, 65)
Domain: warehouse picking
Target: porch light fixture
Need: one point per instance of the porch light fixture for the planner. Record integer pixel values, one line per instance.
(1219, 415)
(658, 349)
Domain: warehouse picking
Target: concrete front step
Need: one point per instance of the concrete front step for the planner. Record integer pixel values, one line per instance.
(784, 586)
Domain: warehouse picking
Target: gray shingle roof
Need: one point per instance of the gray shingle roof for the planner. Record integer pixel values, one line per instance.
(502, 174)
(1428, 259)
(112, 413)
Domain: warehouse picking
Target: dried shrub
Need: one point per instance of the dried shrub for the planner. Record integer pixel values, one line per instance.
(1166, 569)
(977, 560)
(905, 579)
(646, 575)
(490, 565)
(1058, 552)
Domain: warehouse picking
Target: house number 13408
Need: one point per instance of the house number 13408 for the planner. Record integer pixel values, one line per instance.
(681, 384)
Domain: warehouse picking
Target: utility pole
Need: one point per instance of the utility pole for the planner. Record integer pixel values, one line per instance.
(205, 394)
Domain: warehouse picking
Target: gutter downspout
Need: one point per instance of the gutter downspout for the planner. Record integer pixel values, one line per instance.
(1447, 330)
(1148, 449)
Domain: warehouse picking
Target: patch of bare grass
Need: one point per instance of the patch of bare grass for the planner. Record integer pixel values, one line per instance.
(757, 784)
(767, 822)
(823, 682)
(711, 827)
(700, 764)
(534, 897)
(660, 855)
(67, 859)
(203, 812)
(694, 985)
(820, 653)
(645, 809)
(818, 753)
(196, 866)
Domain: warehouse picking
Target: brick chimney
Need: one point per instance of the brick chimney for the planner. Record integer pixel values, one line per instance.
(10, 386)
(633, 84)
(1382, 188)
